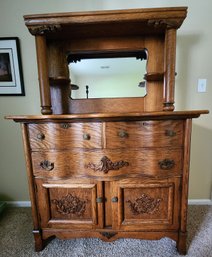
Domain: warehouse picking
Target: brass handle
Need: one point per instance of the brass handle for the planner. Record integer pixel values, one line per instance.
(86, 136)
(123, 134)
(40, 136)
(65, 125)
(170, 133)
(114, 199)
(47, 165)
(166, 164)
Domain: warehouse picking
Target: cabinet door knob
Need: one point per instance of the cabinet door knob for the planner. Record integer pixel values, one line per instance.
(166, 164)
(86, 136)
(123, 134)
(170, 133)
(47, 165)
(114, 199)
(99, 199)
(40, 136)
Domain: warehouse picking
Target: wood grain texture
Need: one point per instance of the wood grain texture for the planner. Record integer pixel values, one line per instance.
(100, 33)
(105, 105)
(43, 74)
(67, 234)
(130, 195)
(39, 242)
(155, 48)
(144, 134)
(169, 68)
(65, 135)
(118, 116)
(149, 19)
(75, 162)
(67, 206)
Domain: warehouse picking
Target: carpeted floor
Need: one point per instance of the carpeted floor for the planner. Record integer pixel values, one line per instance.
(16, 239)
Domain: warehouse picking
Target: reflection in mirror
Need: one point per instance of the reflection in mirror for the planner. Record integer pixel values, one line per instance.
(108, 78)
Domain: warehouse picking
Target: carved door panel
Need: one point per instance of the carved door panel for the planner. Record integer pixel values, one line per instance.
(143, 205)
(68, 205)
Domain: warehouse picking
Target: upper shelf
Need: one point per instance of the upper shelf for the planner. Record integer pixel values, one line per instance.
(106, 23)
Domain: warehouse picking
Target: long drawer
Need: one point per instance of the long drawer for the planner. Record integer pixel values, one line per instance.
(65, 135)
(144, 134)
(108, 163)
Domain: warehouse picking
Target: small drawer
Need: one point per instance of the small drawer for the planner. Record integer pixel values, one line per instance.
(144, 134)
(65, 135)
(108, 164)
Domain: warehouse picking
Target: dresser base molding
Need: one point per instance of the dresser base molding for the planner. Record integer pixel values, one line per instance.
(49, 234)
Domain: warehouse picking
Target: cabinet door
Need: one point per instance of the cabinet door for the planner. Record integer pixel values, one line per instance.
(143, 205)
(68, 204)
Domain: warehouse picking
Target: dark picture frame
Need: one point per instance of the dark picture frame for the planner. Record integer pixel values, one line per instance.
(11, 75)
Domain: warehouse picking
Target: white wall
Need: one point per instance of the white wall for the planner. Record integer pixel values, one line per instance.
(193, 61)
(109, 86)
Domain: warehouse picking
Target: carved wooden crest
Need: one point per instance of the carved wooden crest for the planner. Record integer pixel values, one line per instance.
(144, 205)
(70, 204)
(42, 29)
(106, 164)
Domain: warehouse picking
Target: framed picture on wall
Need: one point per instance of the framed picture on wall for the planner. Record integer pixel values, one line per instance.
(11, 77)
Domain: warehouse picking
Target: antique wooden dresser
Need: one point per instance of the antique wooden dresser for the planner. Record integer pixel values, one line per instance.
(108, 167)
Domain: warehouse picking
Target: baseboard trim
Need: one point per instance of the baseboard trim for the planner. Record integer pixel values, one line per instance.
(200, 202)
(28, 203)
(18, 203)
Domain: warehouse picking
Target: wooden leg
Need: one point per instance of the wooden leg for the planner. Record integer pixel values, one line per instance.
(181, 243)
(39, 242)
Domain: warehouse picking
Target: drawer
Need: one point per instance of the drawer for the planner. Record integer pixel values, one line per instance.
(108, 164)
(65, 135)
(144, 134)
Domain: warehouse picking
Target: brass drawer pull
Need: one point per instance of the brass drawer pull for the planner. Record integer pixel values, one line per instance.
(170, 133)
(65, 125)
(47, 165)
(123, 134)
(40, 136)
(106, 165)
(86, 136)
(166, 164)
(114, 199)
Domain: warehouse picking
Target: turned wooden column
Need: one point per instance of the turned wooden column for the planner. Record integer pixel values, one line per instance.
(43, 74)
(169, 68)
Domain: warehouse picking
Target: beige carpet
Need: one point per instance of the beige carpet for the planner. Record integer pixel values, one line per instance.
(16, 239)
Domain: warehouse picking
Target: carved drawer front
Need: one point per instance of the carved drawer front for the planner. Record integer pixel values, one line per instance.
(65, 135)
(146, 205)
(144, 134)
(67, 205)
(107, 163)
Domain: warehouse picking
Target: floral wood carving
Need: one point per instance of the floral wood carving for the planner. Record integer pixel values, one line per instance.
(106, 164)
(70, 204)
(144, 205)
(40, 30)
(173, 23)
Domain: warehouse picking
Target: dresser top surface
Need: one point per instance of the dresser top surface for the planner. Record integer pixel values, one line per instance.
(111, 116)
